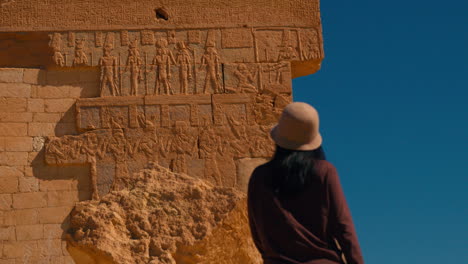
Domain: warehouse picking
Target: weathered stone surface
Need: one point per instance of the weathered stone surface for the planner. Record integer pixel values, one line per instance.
(74, 14)
(93, 91)
(162, 217)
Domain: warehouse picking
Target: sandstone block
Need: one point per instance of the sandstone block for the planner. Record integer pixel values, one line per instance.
(33, 156)
(21, 217)
(41, 129)
(54, 215)
(48, 92)
(36, 105)
(65, 129)
(58, 105)
(61, 260)
(13, 105)
(68, 117)
(35, 259)
(34, 76)
(13, 129)
(75, 91)
(61, 198)
(7, 261)
(18, 143)
(46, 117)
(8, 184)
(55, 184)
(245, 167)
(14, 158)
(62, 77)
(50, 247)
(15, 117)
(28, 171)
(29, 232)
(28, 184)
(52, 231)
(29, 200)
(8, 171)
(11, 75)
(16, 90)
(7, 233)
(5, 202)
(20, 249)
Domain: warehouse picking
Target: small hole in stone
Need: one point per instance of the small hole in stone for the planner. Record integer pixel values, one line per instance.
(161, 14)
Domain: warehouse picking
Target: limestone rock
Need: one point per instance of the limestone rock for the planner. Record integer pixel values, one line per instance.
(163, 217)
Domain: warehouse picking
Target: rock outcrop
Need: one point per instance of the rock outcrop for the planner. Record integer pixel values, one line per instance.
(158, 216)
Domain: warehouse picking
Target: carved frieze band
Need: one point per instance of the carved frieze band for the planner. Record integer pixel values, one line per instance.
(168, 62)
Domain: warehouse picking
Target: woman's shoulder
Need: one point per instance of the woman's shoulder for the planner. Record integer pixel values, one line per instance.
(324, 167)
(324, 163)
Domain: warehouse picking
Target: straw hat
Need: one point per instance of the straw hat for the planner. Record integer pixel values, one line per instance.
(298, 128)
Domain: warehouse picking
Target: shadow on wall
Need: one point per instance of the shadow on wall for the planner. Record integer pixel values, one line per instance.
(58, 90)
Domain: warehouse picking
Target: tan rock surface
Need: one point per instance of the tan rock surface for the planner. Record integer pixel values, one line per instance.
(163, 217)
(93, 90)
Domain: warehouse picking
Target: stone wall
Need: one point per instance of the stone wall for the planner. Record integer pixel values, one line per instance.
(38, 107)
(35, 199)
(100, 89)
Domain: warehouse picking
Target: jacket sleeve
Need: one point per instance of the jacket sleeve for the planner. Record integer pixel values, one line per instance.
(340, 221)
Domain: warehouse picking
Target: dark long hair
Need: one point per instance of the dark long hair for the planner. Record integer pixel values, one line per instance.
(293, 170)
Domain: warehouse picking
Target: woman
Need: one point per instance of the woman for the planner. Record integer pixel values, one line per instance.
(297, 209)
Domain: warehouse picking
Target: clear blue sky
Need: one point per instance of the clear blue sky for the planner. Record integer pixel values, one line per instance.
(393, 99)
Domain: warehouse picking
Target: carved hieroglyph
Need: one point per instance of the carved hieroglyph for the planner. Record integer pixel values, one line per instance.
(201, 135)
(168, 62)
(209, 100)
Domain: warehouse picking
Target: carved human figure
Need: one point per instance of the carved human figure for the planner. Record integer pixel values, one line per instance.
(209, 148)
(80, 54)
(134, 63)
(56, 43)
(118, 148)
(162, 63)
(109, 69)
(92, 149)
(184, 59)
(245, 79)
(183, 144)
(211, 60)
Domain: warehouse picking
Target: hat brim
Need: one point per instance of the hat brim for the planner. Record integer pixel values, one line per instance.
(287, 144)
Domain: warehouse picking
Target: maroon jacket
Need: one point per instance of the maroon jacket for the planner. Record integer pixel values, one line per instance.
(300, 230)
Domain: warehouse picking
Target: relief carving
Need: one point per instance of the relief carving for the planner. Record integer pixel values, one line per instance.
(246, 80)
(230, 84)
(124, 39)
(80, 54)
(134, 64)
(212, 62)
(147, 37)
(56, 44)
(98, 38)
(162, 64)
(205, 131)
(185, 62)
(71, 39)
(109, 71)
